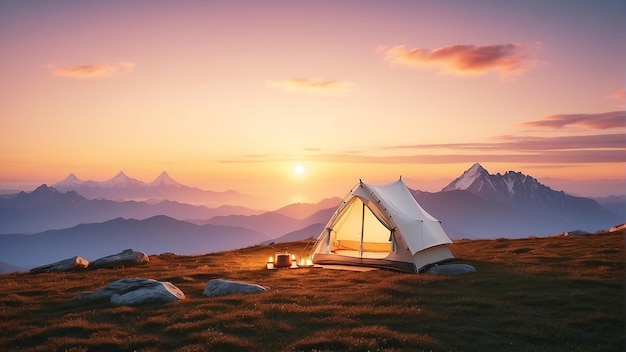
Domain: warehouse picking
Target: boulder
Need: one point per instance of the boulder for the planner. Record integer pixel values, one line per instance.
(135, 291)
(127, 257)
(62, 265)
(451, 269)
(219, 287)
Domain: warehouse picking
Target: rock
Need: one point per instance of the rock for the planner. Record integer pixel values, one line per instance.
(62, 265)
(135, 291)
(127, 257)
(219, 287)
(451, 269)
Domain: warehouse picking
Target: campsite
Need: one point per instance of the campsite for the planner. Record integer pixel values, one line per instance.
(559, 293)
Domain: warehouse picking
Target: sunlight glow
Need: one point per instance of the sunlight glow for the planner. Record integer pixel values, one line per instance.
(298, 170)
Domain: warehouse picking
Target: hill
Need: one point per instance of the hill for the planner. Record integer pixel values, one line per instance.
(304, 210)
(560, 293)
(158, 234)
(47, 208)
(8, 268)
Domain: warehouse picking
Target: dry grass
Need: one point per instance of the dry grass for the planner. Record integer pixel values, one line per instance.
(536, 294)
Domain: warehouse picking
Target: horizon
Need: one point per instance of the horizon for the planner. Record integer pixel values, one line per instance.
(296, 101)
(579, 188)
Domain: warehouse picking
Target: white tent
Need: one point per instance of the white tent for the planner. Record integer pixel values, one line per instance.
(382, 226)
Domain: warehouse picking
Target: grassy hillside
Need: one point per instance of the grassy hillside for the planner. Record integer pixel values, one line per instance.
(535, 294)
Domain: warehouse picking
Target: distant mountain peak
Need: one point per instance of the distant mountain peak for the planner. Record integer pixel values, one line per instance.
(70, 181)
(473, 179)
(165, 179)
(44, 189)
(72, 177)
(512, 186)
(123, 181)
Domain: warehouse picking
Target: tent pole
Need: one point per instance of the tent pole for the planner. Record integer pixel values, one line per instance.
(362, 230)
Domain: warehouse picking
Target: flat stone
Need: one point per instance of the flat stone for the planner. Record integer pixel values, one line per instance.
(127, 257)
(220, 287)
(62, 265)
(451, 269)
(135, 291)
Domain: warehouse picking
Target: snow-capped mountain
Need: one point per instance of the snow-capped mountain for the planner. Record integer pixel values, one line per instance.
(70, 181)
(123, 187)
(164, 180)
(512, 187)
(512, 203)
(121, 180)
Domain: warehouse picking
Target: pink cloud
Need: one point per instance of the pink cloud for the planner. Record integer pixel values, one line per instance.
(91, 71)
(613, 119)
(466, 59)
(619, 95)
(311, 85)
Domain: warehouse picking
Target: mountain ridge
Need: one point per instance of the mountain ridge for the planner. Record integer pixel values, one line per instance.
(123, 187)
(47, 208)
(158, 234)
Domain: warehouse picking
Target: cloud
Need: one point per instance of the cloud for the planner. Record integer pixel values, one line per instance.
(313, 85)
(91, 71)
(619, 95)
(530, 143)
(605, 148)
(465, 59)
(602, 121)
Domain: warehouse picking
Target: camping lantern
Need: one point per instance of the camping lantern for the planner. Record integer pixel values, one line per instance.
(270, 263)
(283, 260)
(294, 264)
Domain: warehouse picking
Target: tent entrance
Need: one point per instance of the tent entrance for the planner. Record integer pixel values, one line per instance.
(360, 234)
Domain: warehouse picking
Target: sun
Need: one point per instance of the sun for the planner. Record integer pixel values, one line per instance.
(298, 170)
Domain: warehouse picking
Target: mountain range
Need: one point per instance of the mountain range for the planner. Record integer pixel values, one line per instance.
(475, 205)
(158, 234)
(123, 187)
(46, 208)
(479, 204)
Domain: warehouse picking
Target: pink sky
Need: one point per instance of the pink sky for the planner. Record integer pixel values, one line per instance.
(237, 95)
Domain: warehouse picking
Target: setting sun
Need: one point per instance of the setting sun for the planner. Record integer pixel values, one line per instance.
(298, 170)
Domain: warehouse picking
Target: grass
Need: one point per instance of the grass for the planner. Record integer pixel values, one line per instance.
(534, 294)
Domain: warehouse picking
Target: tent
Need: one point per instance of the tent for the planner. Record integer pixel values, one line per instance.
(382, 226)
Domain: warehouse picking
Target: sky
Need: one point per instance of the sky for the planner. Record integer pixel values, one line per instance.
(298, 100)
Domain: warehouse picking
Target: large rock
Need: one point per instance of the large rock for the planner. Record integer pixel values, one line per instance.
(62, 265)
(127, 257)
(135, 291)
(451, 269)
(219, 287)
